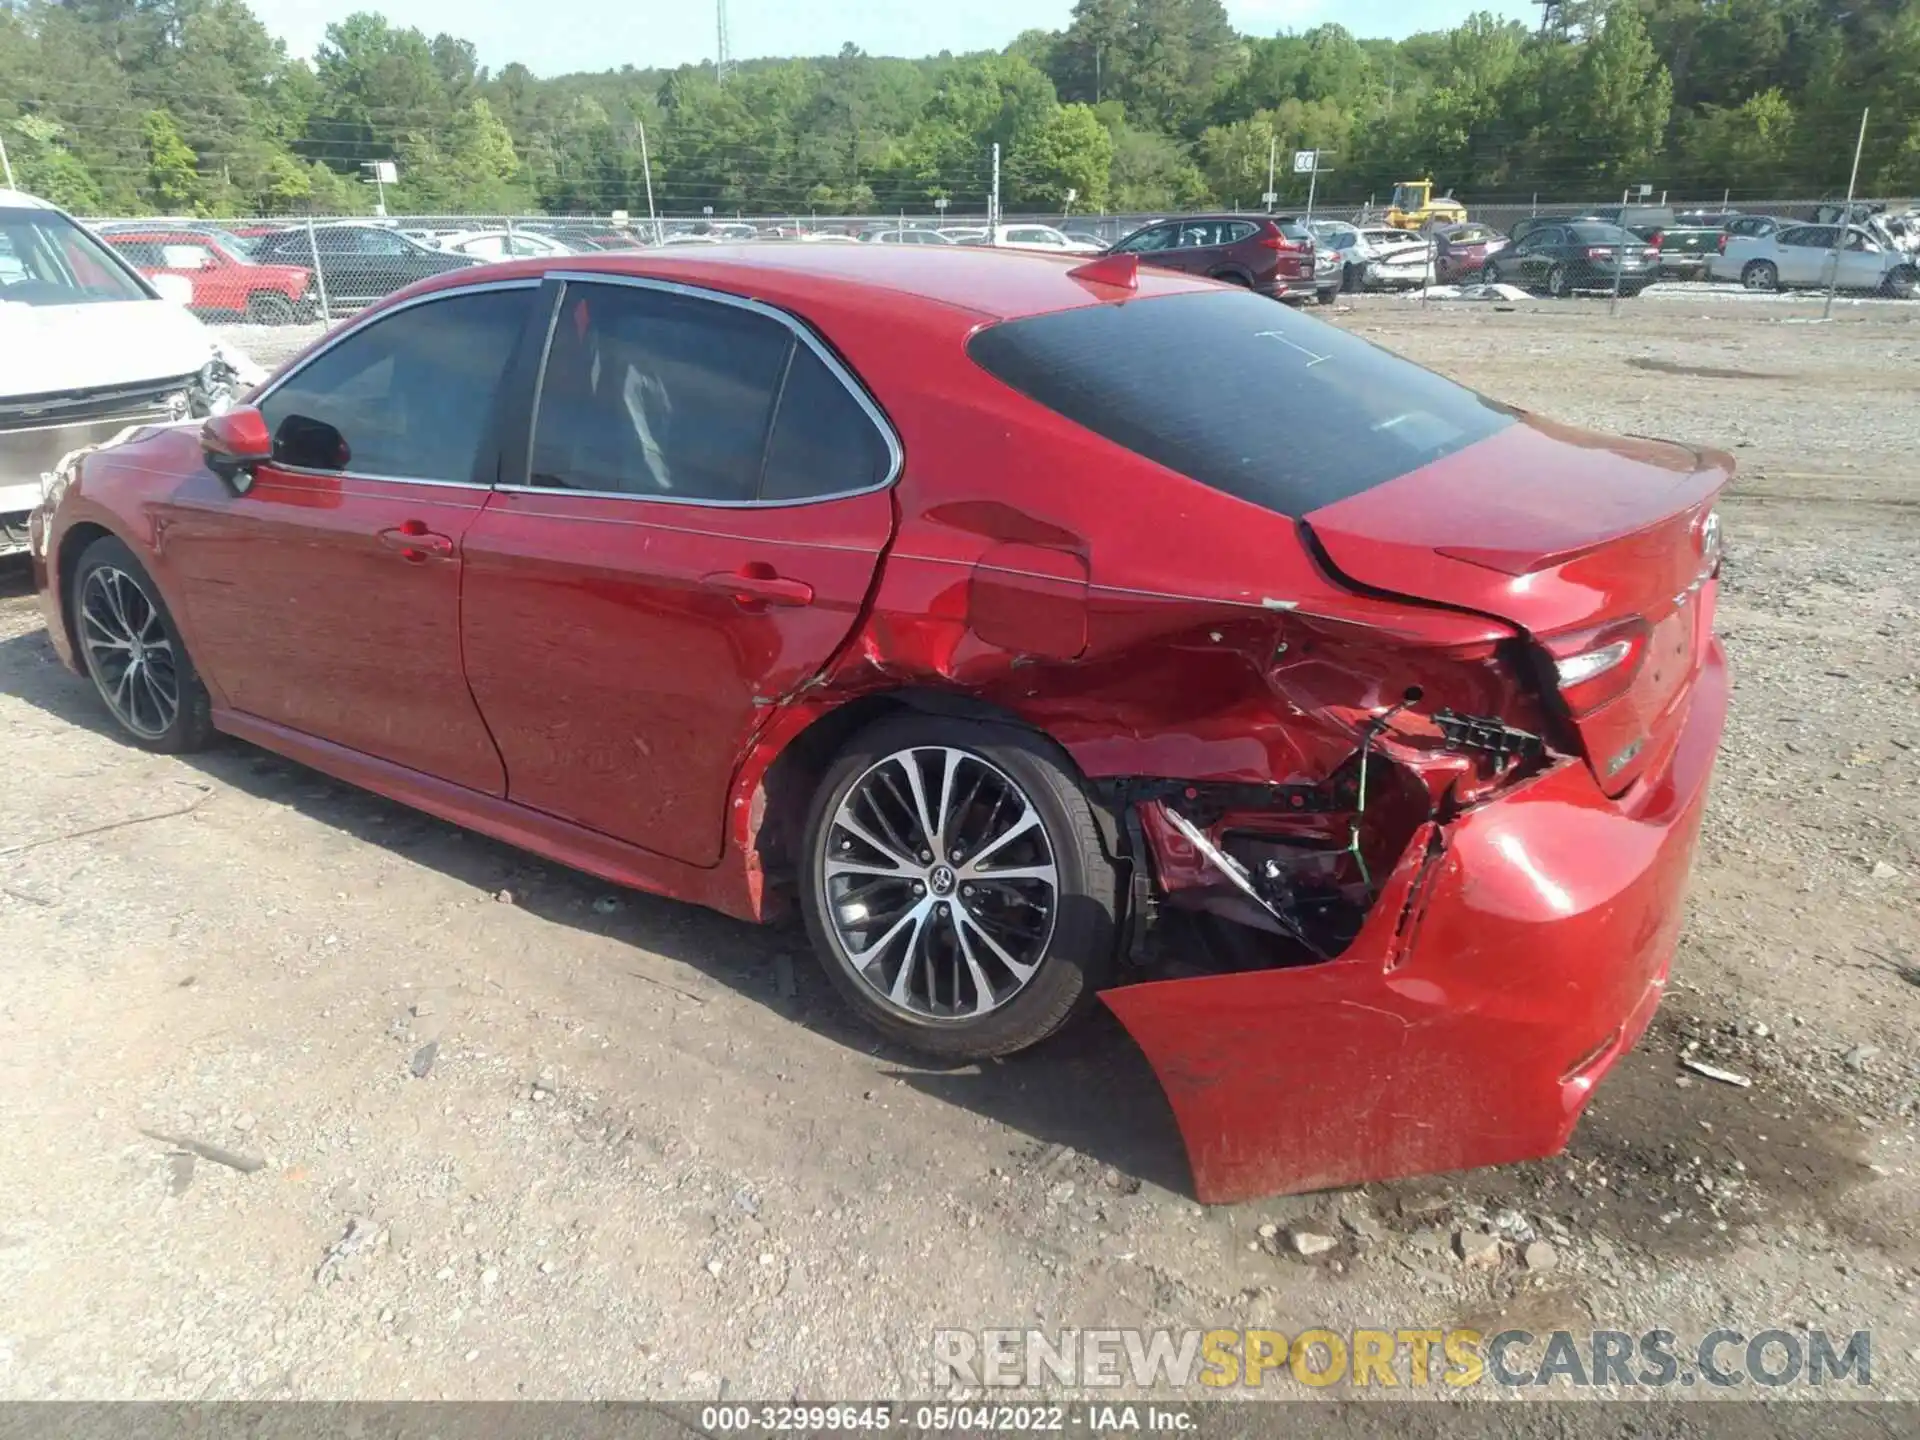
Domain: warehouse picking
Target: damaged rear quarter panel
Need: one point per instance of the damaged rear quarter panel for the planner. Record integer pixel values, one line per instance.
(1470, 1019)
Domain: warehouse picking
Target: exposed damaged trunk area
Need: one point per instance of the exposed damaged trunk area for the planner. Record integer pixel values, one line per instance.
(1233, 877)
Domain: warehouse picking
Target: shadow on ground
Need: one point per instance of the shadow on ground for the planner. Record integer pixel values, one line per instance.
(1088, 1089)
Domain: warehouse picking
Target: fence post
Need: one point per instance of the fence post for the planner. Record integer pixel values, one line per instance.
(319, 273)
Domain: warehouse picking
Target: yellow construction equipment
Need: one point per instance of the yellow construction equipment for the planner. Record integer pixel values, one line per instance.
(1414, 204)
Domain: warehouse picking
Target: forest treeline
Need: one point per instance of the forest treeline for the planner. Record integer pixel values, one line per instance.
(192, 106)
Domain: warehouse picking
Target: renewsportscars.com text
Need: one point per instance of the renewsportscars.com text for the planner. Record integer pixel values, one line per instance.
(1147, 1360)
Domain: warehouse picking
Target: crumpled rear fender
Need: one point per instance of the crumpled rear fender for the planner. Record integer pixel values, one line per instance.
(1514, 954)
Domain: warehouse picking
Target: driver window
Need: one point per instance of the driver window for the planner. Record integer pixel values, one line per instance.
(410, 395)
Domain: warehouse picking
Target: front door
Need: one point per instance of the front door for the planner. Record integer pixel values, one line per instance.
(691, 539)
(327, 598)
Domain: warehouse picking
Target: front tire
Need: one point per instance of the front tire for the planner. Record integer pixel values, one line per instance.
(956, 888)
(134, 653)
(268, 307)
(1903, 282)
(1559, 284)
(1490, 273)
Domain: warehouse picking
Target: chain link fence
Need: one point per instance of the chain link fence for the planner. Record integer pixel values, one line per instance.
(265, 270)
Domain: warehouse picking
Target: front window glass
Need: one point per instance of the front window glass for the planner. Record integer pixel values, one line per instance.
(409, 397)
(46, 259)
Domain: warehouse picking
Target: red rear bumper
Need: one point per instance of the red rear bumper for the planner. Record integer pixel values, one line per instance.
(1506, 966)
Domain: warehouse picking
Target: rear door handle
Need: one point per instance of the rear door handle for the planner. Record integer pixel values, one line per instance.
(415, 542)
(754, 585)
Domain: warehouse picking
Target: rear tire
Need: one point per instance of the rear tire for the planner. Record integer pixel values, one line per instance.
(269, 307)
(1760, 275)
(1016, 804)
(134, 654)
(1326, 295)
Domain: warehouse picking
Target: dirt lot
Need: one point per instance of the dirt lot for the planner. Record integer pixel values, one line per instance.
(653, 1157)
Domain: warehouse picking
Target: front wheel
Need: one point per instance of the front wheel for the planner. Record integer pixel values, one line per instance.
(134, 653)
(269, 307)
(1559, 282)
(955, 886)
(1903, 282)
(1326, 295)
(1490, 273)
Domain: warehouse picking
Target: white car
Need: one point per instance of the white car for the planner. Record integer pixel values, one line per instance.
(502, 244)
(1039, 237)
(89, 347)
(1395, 259)
(905, 237)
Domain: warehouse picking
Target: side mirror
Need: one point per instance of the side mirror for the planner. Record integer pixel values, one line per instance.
(234, 443)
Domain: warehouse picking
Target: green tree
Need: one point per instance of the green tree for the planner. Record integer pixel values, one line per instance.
(173, 178)
(1070, 151)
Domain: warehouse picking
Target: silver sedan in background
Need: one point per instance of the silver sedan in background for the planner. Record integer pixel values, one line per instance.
(1811, 256)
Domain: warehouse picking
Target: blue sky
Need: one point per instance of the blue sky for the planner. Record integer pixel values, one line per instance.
(556, 36)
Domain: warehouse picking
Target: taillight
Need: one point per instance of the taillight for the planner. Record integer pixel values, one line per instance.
(1597, 665)
(1274, 240)
(1599, 252)
(1655, 240)
(1723, 242)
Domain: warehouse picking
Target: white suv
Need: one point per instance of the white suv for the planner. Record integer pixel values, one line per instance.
(88, 347)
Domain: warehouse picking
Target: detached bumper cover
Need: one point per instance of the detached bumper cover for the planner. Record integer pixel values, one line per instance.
(1512, 957)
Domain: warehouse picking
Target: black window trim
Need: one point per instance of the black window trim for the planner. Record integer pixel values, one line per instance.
(367, 321)
(803, 333)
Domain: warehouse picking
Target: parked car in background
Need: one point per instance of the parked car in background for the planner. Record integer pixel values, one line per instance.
(360, 263)
(1753, 226)
(1272, 256)
(1803, 256)
(503, 244)
(87, 348)
(1347, 247)
(630, 569)
(1400, 259)
(1460, 251)
(232, 239)
(1567, 256)
(226, 285)
(906, 237)
(1685, 248)
(1028, 236)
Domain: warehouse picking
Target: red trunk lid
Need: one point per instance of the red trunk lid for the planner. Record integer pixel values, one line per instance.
(1576, 538)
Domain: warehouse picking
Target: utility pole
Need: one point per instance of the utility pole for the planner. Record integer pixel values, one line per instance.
(723, 52)
(993, 201)
(1313, 181)
(1619, 257)
(1273, 156)
(1846, 219)
(5, 163)
(646, 168)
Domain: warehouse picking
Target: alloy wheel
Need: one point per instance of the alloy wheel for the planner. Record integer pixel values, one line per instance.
(939, 883)
(129, 652)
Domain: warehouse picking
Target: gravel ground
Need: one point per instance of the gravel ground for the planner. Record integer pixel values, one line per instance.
(569, 1143)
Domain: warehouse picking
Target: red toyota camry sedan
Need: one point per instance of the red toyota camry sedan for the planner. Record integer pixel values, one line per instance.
(1040, 629)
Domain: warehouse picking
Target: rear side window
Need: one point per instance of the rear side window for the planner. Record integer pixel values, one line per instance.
(823, 442)
(673, 397)
(654, 394)
(1239, 394)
